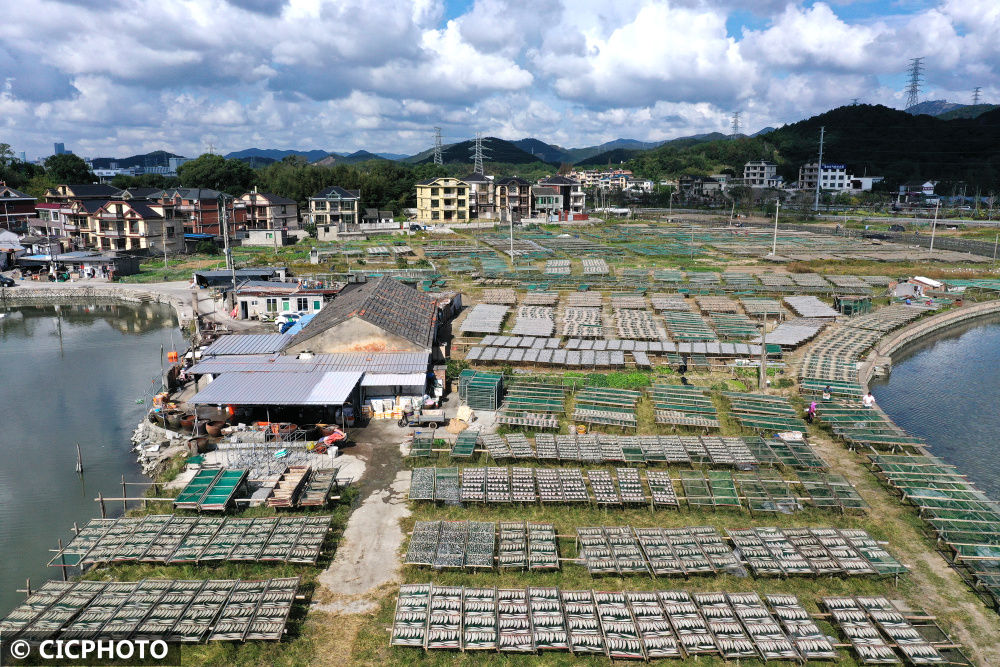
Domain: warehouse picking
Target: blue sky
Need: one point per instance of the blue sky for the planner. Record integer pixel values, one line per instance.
(350, 74)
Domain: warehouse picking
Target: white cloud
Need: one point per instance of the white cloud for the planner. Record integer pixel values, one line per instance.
(347, 74)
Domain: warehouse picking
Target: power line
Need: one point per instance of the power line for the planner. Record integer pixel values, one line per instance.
(736, 124)
(975, 94)
(437, 146)
(916, 70)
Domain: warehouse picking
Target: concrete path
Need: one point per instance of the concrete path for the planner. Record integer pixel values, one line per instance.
(368, 555)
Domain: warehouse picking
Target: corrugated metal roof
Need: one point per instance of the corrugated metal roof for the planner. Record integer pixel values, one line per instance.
(279, 388)
(394, 380)
(246, 344)
(384, 362)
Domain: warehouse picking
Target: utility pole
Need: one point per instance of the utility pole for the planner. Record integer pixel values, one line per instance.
(510, 220)
(670, 211)
(819, 168)
(736, 124)
(163, 229)
(937, 207)
(774, 241)
(225, 239)
(732, 212)
(763, 356)
(996, 241)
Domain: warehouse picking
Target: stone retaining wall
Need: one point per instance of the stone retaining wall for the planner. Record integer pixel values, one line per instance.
(96, 294)
(881, 355)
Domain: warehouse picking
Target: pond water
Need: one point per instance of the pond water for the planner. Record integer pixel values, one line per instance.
(946, 389)
(68, 375)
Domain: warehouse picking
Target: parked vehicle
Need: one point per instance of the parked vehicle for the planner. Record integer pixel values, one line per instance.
(6, 281)
(425, 418)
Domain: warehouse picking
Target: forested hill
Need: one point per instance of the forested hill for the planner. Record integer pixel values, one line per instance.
(869, 139)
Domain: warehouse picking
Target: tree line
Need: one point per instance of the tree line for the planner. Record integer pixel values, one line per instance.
(383, 184)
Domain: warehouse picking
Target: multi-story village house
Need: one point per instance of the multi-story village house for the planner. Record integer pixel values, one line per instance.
(481, 196)
(333, 211)
(263, 210)
(135, 225)
(199, 209)
(442, 199)
(571, 190)
(17, 209)
(513, 198)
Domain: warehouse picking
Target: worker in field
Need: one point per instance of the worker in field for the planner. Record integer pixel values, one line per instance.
(868, 401)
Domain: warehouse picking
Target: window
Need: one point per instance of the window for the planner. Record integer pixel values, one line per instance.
(170, 232)
(271, 305)
(284, 209)
(326, 230)
(435, 203)
(317, 304)
(270, 235)
(434, 192)
(302, 303)
(286, 305)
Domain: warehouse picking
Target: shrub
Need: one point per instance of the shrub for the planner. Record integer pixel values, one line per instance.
(455, 367)
(207, 247)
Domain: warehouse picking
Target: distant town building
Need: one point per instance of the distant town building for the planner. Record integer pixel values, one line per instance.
(334, 210)
(442, 199)
(864, 183)
(833, 177)
(698, 186)
(916, 192)
(639, 185)
(59, 148)
(589, 178)
(174, 162)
